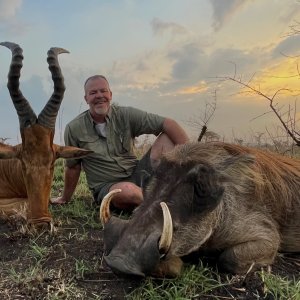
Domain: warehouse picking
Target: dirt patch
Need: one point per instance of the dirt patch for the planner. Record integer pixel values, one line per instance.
(68, 264)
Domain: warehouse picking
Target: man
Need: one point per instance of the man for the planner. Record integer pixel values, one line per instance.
(109, 130)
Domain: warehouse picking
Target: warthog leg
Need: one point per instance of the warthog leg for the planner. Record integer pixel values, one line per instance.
(241, 258)
(169, 267)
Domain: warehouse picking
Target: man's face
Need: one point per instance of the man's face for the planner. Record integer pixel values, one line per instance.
(98, 96)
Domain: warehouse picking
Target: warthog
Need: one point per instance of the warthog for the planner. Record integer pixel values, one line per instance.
(240, 202)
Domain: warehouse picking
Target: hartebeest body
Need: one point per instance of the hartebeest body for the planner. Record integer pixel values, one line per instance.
(26, 170)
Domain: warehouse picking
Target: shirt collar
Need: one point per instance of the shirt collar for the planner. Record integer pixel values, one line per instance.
(107, 117)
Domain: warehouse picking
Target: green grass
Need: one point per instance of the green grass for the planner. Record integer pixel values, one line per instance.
(38, 252)
(59, 264)
(194, 283)
(281, 288)
(81, 206)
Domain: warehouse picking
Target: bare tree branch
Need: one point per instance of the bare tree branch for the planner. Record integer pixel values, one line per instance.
(290, 128)
(208, 113)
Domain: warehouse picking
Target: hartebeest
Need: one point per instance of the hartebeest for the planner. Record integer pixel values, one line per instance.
(26, 170)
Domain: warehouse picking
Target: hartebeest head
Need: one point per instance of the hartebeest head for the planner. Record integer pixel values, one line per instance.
(37, 153)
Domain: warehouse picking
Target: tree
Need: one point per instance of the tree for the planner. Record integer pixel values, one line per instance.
(207, 115)
(287, 118)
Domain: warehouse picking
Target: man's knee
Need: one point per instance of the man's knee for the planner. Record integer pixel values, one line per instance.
(130, 197)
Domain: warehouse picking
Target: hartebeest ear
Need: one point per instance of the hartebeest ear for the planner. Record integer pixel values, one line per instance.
(8, 152)
(207, 188)
(71, 152)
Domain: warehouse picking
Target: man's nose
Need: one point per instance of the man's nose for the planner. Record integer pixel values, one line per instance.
(99, 94)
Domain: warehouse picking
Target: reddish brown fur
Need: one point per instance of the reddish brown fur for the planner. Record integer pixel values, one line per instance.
(260, 211)
(11, 179)
(26, 170)
(26, 178)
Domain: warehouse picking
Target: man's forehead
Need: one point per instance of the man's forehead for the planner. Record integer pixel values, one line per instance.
(96, 83)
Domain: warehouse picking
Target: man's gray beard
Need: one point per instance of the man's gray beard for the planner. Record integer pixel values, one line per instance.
(102, 111)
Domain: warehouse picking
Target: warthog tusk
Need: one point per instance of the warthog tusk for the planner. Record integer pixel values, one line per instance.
(104, 213)
(167, 232)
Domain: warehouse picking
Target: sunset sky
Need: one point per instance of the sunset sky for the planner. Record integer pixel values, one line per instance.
(165, 57)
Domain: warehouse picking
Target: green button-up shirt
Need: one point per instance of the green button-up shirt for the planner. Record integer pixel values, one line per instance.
(113, 158)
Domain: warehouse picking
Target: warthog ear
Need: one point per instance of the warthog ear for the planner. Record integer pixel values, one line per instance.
(243, 159)
(207, 188)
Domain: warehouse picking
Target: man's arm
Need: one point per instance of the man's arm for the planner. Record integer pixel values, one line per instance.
(71, 179)
(175, 132)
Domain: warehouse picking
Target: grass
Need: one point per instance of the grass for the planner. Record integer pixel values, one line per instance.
(281, 287)
(38, 252)
(195, 282)
(80, 206)
(67, 264)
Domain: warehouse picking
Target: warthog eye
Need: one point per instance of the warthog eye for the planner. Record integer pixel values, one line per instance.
(162, 256)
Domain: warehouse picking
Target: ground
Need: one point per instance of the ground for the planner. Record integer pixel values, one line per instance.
(67, 263)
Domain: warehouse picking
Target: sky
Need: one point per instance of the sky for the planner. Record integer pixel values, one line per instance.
(164, 57)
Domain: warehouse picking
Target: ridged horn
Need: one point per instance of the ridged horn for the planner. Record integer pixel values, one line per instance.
(25, 113)
(47, 117)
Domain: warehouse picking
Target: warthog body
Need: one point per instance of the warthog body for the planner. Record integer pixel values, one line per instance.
(240, 202)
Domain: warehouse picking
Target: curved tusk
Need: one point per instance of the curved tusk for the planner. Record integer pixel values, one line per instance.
(167, 232)
(104, 213)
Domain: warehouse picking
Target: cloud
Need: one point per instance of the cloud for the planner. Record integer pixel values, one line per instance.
(288, 46)
(290, 12)
(180, 70)
(160, 27)
(9, 24)
(9, 8)
(189, 62)
(224, 10)
(199, 88)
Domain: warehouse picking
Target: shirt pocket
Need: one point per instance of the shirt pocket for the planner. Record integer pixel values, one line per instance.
(123, 142)
(89, 143)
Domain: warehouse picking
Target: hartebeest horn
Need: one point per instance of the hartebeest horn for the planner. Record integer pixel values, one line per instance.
(47, 117)
(26, 115)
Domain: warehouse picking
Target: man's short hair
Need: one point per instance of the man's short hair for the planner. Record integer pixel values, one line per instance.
(95, 77)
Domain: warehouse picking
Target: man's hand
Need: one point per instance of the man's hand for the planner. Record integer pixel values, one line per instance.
(58, 200)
